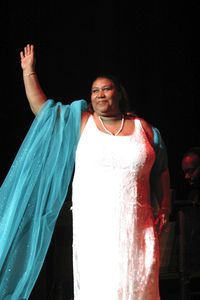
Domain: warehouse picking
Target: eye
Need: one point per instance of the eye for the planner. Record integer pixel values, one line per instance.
(94, 91)
(107, 88)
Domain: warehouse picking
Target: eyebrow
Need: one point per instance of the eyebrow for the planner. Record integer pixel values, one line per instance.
(104, 86)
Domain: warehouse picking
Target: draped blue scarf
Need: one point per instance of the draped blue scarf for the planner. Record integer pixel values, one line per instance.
(33, 193)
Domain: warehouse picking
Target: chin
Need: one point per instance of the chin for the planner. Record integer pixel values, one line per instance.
(103, 112)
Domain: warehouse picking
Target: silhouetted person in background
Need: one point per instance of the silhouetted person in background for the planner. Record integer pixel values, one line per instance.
(190, 165)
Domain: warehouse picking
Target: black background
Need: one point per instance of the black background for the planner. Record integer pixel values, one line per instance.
(152, 47)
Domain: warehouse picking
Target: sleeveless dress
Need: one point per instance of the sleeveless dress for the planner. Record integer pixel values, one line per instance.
(115, 245)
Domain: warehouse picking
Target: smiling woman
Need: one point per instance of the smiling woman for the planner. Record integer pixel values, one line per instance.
(120, 170)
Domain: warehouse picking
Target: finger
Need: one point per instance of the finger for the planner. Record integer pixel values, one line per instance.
(21, 54)
(28, 49)
(25, 51)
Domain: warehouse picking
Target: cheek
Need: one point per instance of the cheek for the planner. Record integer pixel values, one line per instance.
(115, 102)
(93, 101)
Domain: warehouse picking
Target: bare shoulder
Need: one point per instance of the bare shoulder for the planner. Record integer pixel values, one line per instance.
(84, 118)
(85, 115)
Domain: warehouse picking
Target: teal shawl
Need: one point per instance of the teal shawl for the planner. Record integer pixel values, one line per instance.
(32, 195)
(34, 190)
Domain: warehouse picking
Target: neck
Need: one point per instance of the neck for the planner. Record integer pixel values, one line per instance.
(116, 119)
(110, 118)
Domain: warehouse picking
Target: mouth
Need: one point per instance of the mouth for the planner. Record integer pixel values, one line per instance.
(102, 101)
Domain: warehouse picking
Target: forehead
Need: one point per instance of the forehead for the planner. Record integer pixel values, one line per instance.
(102, 81)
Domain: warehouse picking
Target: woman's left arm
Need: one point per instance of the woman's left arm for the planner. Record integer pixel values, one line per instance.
(162, 193)
(160, 178)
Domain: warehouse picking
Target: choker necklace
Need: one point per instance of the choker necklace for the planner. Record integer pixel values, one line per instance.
(108, 131)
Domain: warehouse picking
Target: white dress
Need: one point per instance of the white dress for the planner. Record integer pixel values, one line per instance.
(115, 246)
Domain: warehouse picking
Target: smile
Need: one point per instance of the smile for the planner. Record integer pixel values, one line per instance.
(102, 101)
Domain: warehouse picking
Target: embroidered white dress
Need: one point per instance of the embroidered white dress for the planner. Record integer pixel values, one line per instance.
(115, 247)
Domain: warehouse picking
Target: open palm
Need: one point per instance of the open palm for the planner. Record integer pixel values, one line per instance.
(27, 57)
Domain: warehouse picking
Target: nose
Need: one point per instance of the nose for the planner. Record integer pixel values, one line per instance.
(101, 94)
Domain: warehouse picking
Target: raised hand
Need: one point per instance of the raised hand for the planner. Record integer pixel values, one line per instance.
(34, 92)
(28, 58)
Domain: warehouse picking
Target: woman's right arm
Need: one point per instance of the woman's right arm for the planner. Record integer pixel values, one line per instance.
(34, 92)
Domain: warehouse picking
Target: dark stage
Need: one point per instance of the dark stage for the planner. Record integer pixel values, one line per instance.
(152, 47)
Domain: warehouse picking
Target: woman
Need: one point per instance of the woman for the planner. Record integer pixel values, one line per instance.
(117, 170)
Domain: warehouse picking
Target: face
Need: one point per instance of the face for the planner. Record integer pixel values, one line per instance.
(191, 169)
(105, 97)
